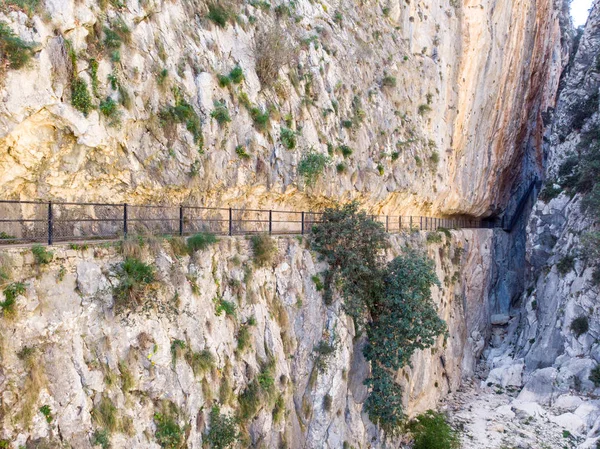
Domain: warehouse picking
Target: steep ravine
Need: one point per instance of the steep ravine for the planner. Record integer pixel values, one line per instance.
(67, 349)
(536, 387)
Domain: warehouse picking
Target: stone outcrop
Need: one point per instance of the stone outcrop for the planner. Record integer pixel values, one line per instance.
(85, 353)
(437, 102)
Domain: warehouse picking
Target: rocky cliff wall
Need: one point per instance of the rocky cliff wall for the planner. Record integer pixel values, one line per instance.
(67, 349)
(437, 101)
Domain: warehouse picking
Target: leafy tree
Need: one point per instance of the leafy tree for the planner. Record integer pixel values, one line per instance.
(352, 244)
(391, 302)
(223, 430)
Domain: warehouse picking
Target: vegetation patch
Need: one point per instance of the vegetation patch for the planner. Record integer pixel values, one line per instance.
(311, 166)
(580, 326)
(264, 249)
(110, 109)
(134, 277)
(14, 52)
(392, 302)
(41, 255)
(169, 433)
(288, 138)
(182, 112)
(430, 430)
(80, 96)
(222, 433)
(201, 241)
(220, 113)
(220, 13)
(11, 292)
(272, 52)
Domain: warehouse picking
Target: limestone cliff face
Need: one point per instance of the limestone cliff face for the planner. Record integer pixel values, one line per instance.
(548, 348)
(436, 101)
(67, 349)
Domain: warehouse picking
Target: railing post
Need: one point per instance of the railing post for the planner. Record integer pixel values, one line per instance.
(180, 220)
(270, 222)
(302, 219)
(420, 223)
(410, 220)
(387, 223)
(230, 222)
(125, 220)
(400, 223)
(50, 224)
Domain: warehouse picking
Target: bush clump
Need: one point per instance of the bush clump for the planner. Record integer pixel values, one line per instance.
(264, 248)
(222, 433)
(220, 13)
(182, 112)
(311, 167)
(272, 52)
(135, 276)
(580, 325)
(288, 138)
(220, 113)
(42, 255)
(80, 96)
(430, 430)
(169, 434)
(14, 52)
(11, 292)
(392, 302)
(110, 109)
(201, 241)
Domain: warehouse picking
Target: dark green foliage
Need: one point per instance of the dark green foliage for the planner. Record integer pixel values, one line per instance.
(584, 110)
(549, 192)
(318, 282)
(395, 155)
(101, 438)
(241, 152)
(222, 305)
(431, 431)
(201, 241)
(29, 7)
(250, 401)
(224, 81)
(384, 403)
(260, 118)
(80, 96)
(345, 150)
(264, 248)
(434, 158)
(311, 166)
(47, 412)
(405, 318)
(424, 108)
(327, 402)
(340, 168)
(380, 169)
(219, 14)
(11, 292)
(347, 124)
(236, 75)
(13, 50)
(389, 81)
(177, 346)
(595, 376)
(580, 325)
(183, 112)
(110, 109)
(391, 302)
(565, 264)
(162, 77)
(135, 276)
(288, 138)
(42, 255)
(243, 338)
(169, 434)
(220, 113)
(418, 161)
(323, 351)
(352, 244)
(434, 237)
(223, 430)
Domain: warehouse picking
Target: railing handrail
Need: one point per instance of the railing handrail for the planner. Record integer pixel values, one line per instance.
(229, 220)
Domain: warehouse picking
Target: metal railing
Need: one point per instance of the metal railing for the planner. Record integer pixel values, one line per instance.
(35, 221)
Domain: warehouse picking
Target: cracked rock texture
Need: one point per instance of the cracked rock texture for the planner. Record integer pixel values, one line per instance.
(437, 101)
(84, 353)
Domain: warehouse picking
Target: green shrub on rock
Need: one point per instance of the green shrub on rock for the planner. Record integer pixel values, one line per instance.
(431, 431)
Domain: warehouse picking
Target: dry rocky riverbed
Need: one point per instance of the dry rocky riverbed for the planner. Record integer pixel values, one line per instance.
(490, 417)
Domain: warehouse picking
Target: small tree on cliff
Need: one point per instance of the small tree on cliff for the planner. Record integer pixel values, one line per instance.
(391, 302)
